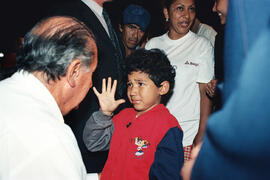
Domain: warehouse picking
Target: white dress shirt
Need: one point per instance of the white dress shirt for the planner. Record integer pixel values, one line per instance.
(35, 144)
(97, 10)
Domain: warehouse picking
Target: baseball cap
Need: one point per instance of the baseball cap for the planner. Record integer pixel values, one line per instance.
(135, 14)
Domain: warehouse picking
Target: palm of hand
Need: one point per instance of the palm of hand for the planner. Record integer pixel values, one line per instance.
(106, 98)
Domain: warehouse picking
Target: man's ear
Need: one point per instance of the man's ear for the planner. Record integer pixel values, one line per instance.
(164, 87)
(120, 28)
(73, 72)
(166, 13)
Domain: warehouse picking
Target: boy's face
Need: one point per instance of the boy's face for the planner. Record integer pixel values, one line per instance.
(142, 92)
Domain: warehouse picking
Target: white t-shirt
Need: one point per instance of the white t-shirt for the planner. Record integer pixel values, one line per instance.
(193, 58)
(35, 143)
(208, 32)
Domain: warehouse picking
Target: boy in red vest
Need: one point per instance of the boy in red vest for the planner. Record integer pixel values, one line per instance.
(145, 141)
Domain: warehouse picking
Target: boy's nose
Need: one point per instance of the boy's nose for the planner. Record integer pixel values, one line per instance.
(133, 90)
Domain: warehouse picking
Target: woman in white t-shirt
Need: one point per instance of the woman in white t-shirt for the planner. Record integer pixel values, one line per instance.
(193, 58)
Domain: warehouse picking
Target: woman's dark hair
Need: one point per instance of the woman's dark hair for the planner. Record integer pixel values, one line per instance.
(168, 3)
(156, 64)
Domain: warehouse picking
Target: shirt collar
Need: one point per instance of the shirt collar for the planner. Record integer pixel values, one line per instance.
(39, 91)
(94, 6)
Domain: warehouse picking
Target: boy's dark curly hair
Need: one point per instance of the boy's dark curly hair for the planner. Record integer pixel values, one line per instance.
(156, 64)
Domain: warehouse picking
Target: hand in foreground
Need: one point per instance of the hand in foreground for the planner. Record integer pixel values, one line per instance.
(106, 98)
(211, 87)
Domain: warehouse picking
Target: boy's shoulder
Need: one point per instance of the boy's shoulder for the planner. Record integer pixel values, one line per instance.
(162, 116)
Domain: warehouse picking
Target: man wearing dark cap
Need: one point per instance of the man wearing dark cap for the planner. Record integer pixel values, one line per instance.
(135, 20)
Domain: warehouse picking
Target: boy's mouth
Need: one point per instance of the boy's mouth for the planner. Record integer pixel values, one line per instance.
(134, 101)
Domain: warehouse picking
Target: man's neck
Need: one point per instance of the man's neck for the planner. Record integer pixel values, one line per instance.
(54, 87)
(128, 51)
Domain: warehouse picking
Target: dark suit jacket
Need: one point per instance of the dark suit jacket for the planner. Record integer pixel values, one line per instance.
(109, 65)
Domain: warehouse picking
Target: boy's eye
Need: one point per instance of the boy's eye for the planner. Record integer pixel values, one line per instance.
(141, 84)
(129, 84)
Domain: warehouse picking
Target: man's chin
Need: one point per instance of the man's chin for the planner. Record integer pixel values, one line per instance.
(132, 47)
(67, 111)
(75, 108)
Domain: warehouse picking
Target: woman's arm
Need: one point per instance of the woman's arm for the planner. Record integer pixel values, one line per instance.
(205, 111)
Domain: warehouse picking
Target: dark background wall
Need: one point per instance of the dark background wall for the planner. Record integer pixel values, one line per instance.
(18, 16)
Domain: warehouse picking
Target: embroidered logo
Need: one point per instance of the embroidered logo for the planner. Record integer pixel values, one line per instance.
(192, 63)
(142, 144)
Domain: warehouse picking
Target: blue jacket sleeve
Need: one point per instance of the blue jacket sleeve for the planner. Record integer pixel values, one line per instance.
(169, 157)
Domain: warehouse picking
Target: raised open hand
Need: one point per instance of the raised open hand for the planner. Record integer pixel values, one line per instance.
(106, 99)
